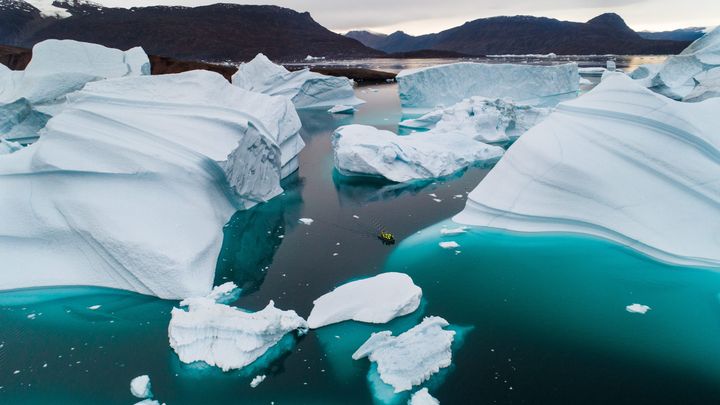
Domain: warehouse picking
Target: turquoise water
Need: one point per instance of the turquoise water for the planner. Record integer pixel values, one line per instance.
(543, 317)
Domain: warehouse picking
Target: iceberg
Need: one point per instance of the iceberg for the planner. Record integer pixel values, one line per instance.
(637, 309)
(427, 88)
(378, 299)
(361, 150)
(306, 89)
(257, 380)
(423, 397)
(342, 109)
(227, 337)
(412, 357)
(485, 120)
(679, 75)
(620, 163)
(130, 186)
(140, 387)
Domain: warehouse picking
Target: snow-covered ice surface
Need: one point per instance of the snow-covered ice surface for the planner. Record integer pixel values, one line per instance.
(637, 308)
(57, 68)
(707, 86)
(376, 299)
(48, 9)
(485, 120)
(412, 357)
(306, 89)
(620, 163)
(423, 397)
(140, 387)
(132, 183)
(365, 150)
(425, 89)
(679, 75)
(225, 336)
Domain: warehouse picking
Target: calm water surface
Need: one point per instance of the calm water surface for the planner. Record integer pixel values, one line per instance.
(543, 317)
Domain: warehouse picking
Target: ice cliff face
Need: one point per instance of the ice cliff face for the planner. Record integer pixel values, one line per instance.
(227, 337)
(412, 357)
(130, 185)
(444, 85)
(306, 89)
(485, 120)
(685, 76)
(365, 150)
(620, 163)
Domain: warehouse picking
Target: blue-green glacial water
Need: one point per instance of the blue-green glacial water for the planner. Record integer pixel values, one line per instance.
(542, 317)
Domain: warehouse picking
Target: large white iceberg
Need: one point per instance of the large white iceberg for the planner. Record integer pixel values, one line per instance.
(485, 120)
(367, 151)
(376, 299)
(306, 89)
(225, 336)
(679, 75)
(130, 186)
(57, 68)
(621, 163)
(412, 357)
(427, 88)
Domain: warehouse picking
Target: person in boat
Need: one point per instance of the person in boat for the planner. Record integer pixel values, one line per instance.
(386, 238)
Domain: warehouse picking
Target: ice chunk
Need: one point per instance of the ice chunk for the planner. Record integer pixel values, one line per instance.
(227, 337)
(306, 89)
(676, 77)
(611, 65)
(132, 184)
(224, 293)
(8, 147)
(412, 357)
(140, 387)
(445, 85)
(306, 221)
(707, 86)
(620, 163)
(376, 299)
(449, 245)
(365, 150)
(423, 397)
(342, 109)
(485, 120)
(637, 308)
(257, 380)
(453, 231)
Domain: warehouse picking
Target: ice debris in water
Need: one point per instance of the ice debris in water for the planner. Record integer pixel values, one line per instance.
(306, 89)
(257, 380)
(449, 245)
(377, 299)
(342, 109)
(140, 387)
(620, 163)
(423, 397)
(225, 336)
(637, 308)
(453, 231)
(367, 151)
(412, 357)
(306, 221)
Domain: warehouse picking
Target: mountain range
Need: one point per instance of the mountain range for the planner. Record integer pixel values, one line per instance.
(604, 34)
(232, 32)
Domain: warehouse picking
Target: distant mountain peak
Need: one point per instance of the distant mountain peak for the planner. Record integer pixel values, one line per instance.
(610, 20)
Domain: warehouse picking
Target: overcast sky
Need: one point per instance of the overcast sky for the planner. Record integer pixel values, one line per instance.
(426, 16)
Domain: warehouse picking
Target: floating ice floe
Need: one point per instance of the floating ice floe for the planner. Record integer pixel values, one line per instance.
(453, 231)
(637, 308)
(132, 183)
(257, 380)
(306, 89)
(412, 357)
(377, 299)
(427, 88)
(620, 163)
(485, 120)
(449, 245)
(140, 387)
(423, 397)
(361, 150)
(306, 221)
(225, 336)
(679, 75)
(342, 109)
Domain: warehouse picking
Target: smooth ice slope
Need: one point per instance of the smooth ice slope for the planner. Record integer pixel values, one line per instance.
(445, 85)
(365, 150)
(227, 337)
(485, 120)
(620, 163)
(410, 358)
(130, 186)
(679, 75)
(306, 89)
(376, 299)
